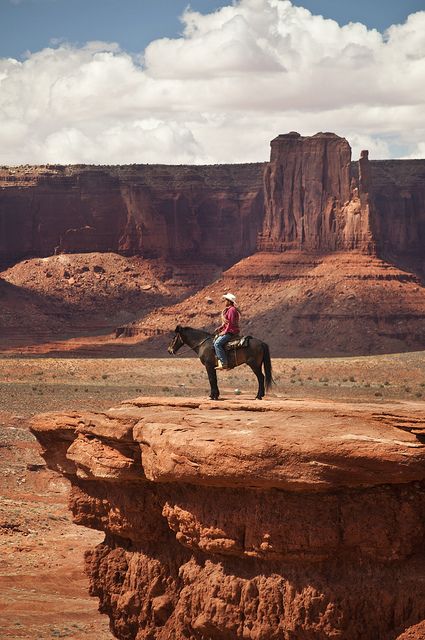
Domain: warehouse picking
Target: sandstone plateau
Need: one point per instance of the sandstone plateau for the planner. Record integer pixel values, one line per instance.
(236, 520)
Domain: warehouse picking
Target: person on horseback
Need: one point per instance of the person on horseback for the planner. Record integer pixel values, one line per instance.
(229, 328)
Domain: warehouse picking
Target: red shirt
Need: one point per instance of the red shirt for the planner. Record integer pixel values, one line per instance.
(231, 321)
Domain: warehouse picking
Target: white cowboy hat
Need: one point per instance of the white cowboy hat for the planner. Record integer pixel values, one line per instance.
(231, 297)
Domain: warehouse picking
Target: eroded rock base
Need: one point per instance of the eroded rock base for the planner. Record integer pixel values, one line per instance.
(241, 520)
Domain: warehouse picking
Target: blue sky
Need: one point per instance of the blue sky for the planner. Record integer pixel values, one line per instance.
(34, 24)
(215, 83)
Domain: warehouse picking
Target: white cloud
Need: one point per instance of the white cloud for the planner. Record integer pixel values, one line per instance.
(235, 79)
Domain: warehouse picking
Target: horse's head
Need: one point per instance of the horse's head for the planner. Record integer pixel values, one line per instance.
(177, 342)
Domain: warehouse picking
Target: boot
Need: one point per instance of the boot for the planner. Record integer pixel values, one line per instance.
(221, 365)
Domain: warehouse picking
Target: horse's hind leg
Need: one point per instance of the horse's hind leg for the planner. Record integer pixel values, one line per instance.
(260, 377)
(212, 377)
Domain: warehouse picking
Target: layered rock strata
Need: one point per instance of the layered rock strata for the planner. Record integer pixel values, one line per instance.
(304, 304)
(397, 192)
(310, 196)
(310, 202)
(180, 212)
(233, 520)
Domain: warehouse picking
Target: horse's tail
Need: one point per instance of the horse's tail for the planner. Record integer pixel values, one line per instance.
(267, 366)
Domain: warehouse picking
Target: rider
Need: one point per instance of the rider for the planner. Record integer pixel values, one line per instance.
(229, 328)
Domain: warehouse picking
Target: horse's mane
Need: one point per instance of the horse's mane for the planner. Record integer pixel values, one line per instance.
(198, 332)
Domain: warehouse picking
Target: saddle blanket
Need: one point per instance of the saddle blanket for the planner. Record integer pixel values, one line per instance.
(237, 342)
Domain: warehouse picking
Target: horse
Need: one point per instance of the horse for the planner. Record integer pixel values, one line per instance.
(256, 354)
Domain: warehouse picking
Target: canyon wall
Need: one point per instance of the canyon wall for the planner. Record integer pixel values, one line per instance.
(239, 522)
(310, 196)
(179, 212)
(397, 192)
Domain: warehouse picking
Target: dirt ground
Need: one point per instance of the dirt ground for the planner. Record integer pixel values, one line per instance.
(43, 590)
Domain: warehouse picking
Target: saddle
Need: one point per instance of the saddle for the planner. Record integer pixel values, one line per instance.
(237, 342)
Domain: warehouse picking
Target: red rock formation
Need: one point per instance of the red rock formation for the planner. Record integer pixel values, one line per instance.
(191, 213)
(314, 199)
(308, 203)
(305, 304)
(397, 190)
(290, 520)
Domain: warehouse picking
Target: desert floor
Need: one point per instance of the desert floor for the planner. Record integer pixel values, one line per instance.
(43, 590)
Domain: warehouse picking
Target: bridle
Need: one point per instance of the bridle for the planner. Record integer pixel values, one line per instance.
(177, 343)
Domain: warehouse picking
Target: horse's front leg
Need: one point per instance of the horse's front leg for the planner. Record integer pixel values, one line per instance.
(212, 377)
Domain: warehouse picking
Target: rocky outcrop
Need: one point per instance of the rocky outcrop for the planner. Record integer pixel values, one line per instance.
(233, 520)
(186, 213)
(306, 186)
(317, 200)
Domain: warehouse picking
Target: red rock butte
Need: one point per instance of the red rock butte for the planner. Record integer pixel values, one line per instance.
(282, 520)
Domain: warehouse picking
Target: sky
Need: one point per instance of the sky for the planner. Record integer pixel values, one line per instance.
(161, 81)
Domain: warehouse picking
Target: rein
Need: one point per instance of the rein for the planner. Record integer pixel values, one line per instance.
(179, 352)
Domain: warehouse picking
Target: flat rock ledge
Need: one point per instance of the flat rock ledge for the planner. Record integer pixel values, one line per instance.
(281, 519)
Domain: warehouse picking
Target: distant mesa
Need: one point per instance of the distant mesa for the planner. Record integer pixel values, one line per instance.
(310, 196)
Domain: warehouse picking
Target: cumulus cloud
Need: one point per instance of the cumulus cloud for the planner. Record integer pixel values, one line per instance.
(236, 78)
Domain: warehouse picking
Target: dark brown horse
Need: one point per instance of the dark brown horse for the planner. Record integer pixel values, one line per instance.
(256, 354)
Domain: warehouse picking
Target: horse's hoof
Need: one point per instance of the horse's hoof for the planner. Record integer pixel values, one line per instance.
(258, 397)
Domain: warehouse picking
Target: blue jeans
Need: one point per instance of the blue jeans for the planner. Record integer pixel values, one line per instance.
(219, 346)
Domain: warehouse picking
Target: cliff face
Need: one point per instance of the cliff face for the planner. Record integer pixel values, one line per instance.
(397, 190)
(310, 196)
(310, 202)
(290, 520)
(185, 213)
